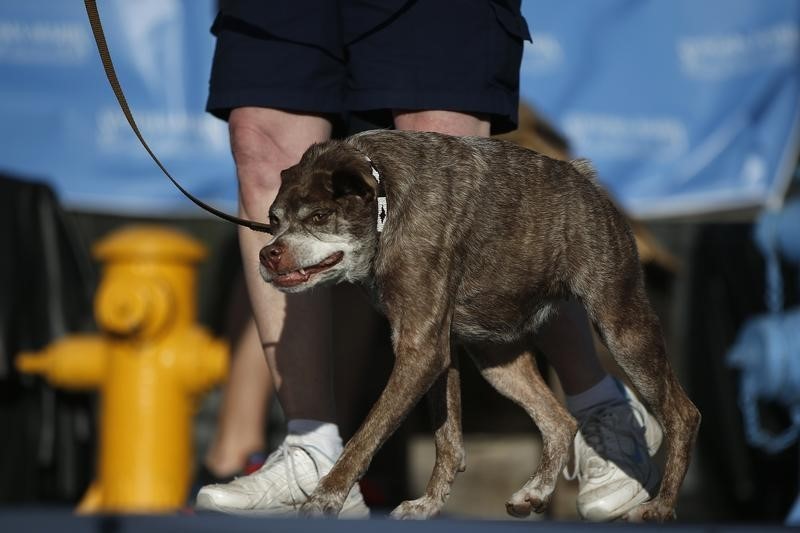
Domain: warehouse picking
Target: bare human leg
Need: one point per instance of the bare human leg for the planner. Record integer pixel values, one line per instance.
(294, 331)
(264, 142)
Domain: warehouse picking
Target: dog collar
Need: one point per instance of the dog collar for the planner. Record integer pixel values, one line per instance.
(381, 195)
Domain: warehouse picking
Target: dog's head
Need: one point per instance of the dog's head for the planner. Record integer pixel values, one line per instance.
(323, 220)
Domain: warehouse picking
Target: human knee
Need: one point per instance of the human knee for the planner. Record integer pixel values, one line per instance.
(449, 122)
(258, 157)
(266, 141)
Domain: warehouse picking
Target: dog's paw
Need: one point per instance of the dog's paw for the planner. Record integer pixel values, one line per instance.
(526, 500)
(419, 509)
(320, 505)
(652, 511)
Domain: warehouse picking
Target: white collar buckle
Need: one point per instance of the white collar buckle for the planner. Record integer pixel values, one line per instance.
(382, 210)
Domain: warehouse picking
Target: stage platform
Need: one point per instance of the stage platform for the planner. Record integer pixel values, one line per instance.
(45, 520)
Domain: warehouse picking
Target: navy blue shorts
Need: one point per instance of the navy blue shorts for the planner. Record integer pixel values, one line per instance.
(369, 57)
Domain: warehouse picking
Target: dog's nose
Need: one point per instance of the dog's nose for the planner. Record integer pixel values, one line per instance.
(270, 256)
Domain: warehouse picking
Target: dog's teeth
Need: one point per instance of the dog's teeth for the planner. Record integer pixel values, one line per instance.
(302, 272)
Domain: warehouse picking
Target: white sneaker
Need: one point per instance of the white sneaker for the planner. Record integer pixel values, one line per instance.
(612, 459)
(280, 486)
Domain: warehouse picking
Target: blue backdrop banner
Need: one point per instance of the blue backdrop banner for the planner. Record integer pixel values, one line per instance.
(685, 106)
(60, 120)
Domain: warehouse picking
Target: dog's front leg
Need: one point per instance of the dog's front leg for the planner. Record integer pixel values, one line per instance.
(419, 360)
(444, 400)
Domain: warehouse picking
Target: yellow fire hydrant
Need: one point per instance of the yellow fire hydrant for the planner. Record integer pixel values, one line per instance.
(150, 362)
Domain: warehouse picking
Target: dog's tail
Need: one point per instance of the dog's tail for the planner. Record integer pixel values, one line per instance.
(584, 168)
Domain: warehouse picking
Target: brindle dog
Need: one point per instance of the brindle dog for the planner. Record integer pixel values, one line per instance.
(482, 239)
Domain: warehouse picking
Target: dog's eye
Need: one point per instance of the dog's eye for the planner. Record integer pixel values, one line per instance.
(273, 221)
(320, 217)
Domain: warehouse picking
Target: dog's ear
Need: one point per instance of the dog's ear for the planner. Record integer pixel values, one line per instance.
(350, 181)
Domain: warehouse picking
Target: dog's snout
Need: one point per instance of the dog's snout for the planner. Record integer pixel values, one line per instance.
(270, 256)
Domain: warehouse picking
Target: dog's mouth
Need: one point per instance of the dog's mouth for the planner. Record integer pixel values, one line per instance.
(293, 278)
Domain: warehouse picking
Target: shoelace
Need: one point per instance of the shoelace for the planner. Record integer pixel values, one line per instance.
(291, 472)
(283, 453)
(599, 425)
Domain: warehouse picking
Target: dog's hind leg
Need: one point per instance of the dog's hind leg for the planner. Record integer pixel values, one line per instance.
(444, 400)
(512, 371)
(632, 333)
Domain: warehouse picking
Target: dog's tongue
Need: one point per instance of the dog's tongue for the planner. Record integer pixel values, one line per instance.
(292, 278)
(296, 277)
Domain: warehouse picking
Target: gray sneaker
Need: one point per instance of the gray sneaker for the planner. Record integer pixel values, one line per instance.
(613, 450)
(280, 486)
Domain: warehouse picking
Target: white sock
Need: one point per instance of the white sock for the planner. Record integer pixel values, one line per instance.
(606, 391)
(323, 435)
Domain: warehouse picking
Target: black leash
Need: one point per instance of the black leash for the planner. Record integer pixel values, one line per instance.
(108, 65)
